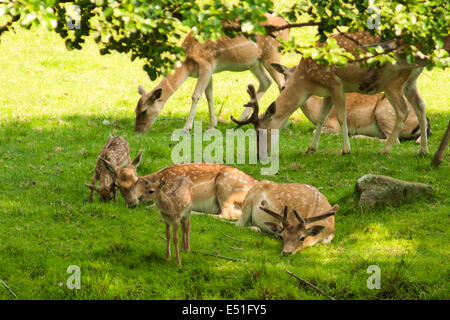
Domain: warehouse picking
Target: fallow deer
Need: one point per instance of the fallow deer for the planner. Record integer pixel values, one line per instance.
(307, 219)
(117, 152)
(174, 201)
(217, 189)
(331, 82)
(125, 178)
(204, 59)
(367, 115)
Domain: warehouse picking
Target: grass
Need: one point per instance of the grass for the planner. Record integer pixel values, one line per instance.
(53, 106)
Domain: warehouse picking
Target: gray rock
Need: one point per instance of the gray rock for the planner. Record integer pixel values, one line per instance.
(375, 190)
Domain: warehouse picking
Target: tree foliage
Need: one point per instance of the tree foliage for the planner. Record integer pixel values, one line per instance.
(151, 30)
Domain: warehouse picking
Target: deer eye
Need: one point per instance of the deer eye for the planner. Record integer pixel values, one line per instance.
(151, 191)
(302, 238)
(144, 112)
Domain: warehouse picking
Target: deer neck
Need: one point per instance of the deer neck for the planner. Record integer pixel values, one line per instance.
(287, 102)
(171, 83)
(311, 108)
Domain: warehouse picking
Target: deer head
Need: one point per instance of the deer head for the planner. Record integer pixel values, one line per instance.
(148, 108)
(293, 233)
(287, 72)
(104, 192)
(126, 178)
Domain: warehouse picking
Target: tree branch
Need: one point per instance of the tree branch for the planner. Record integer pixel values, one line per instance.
(309, 284)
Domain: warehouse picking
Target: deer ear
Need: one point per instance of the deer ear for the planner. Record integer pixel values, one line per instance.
(274, 227)
(156, 94)
(314, 230)
(109, 166)
(280, 68)
(141, 90)
(92, 187)
(137, 161)
(271, 110)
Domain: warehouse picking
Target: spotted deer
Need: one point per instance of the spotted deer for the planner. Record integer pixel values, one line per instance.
(202, 60)
(125, 178)
(332, 82)
(174, 201)
(117, 152)
(367, 115)
(217, 189)
(299, 213)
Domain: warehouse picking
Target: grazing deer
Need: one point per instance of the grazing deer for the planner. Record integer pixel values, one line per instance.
(174, 201)
(125, 178)
(204, 59)
(307, 219)
(331, 82)
(117, 152)
(367, 115)
(217, 189)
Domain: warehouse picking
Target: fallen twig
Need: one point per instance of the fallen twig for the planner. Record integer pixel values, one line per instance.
(232, 237)
(223, 257)
(309, 284)
(9, 289)
(236, 248)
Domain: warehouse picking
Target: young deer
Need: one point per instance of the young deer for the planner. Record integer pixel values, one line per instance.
(174, 201)
(117, 152)
(308, 217)
(217, 189)
(204, 59)
(367, 115)
(125, 178)
(309, 78)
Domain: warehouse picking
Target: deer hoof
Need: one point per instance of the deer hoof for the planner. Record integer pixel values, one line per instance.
(311, 150)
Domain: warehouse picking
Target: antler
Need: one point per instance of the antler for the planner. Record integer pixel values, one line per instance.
(252, 104)
(327, 214)
(299, 218)
(273, 214)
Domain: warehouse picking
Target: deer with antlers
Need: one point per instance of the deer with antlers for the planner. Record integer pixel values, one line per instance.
(204, 59)
(367, 115)
(331, 82)
(217, 189)
(307, 218)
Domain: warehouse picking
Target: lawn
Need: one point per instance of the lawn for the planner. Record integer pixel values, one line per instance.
(54, 104)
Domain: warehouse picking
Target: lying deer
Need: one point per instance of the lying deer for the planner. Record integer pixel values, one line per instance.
(125, 178)
(331, 82)
(117, 152)
(307, 219)
(204, 59)
(217, 189)
(174, 201)
(367, 115)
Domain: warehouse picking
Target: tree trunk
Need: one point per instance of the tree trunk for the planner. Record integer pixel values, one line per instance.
(439, 155)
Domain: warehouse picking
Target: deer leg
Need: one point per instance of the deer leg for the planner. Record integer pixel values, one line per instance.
(325, 109)
(338, 97)
(114, 191)
(167, 241)
(412, 94)
(320, 238)
(204, 77)
(175, 242)
(396, 98)
(91, 194)
(186, 225)
(210, 99)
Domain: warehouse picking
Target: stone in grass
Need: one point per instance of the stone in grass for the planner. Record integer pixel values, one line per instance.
(375, 190)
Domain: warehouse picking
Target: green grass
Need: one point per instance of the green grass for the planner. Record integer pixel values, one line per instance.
(53, 104)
